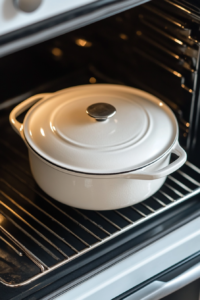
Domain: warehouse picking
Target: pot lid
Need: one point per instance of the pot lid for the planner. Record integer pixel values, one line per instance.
(101, 129)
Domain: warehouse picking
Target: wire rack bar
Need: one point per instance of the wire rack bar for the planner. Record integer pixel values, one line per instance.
(108, 235)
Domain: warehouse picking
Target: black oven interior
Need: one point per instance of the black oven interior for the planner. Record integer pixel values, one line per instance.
(154, 47)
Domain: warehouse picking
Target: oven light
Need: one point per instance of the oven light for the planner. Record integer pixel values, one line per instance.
(57, 52)
(83, 43)
(139, 33)
(123, 36)
(42, 131)
(92, 80)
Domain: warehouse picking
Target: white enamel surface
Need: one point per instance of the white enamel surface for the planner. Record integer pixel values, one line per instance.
(142, 130)
(93, 193)
(72, 123)
(58, 134)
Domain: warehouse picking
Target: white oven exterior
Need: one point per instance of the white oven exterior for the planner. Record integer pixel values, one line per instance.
(13, 18)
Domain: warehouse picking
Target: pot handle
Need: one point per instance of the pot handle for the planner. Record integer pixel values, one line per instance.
(20, 108)
(172, 167)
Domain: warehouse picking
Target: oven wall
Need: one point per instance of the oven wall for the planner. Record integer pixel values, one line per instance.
(154, 47)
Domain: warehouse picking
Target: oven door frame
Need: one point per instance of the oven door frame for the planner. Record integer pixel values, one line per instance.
(165, 285)
(101, 283)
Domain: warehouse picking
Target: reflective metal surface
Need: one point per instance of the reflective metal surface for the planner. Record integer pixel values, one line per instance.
(101, 111)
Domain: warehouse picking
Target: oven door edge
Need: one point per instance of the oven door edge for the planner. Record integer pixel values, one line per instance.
(136, 268)
(160, 288)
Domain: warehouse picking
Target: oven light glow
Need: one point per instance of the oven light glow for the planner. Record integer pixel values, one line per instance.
(123, 36)
(83, 43)
(57, 52)
(92, 80)
(161, 104)
(138, 33)
(42, 131)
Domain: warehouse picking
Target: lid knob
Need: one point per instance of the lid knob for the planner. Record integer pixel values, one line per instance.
(101, 111)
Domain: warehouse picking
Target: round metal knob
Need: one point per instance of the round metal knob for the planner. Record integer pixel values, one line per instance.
(27, 5)
(101, 111)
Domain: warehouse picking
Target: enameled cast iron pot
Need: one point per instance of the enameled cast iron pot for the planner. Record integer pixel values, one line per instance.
(100, 146)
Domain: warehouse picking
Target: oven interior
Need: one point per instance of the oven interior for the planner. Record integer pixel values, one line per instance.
(153, 47)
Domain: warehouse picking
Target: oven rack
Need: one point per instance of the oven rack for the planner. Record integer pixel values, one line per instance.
(27, 215)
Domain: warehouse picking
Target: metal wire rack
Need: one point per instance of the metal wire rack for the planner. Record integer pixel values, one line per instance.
(38, 234)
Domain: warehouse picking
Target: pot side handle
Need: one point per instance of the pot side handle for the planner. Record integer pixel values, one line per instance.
(20, 108)
(172, 167)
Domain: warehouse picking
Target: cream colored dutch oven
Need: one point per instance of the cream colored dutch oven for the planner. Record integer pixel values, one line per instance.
(100, 146)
